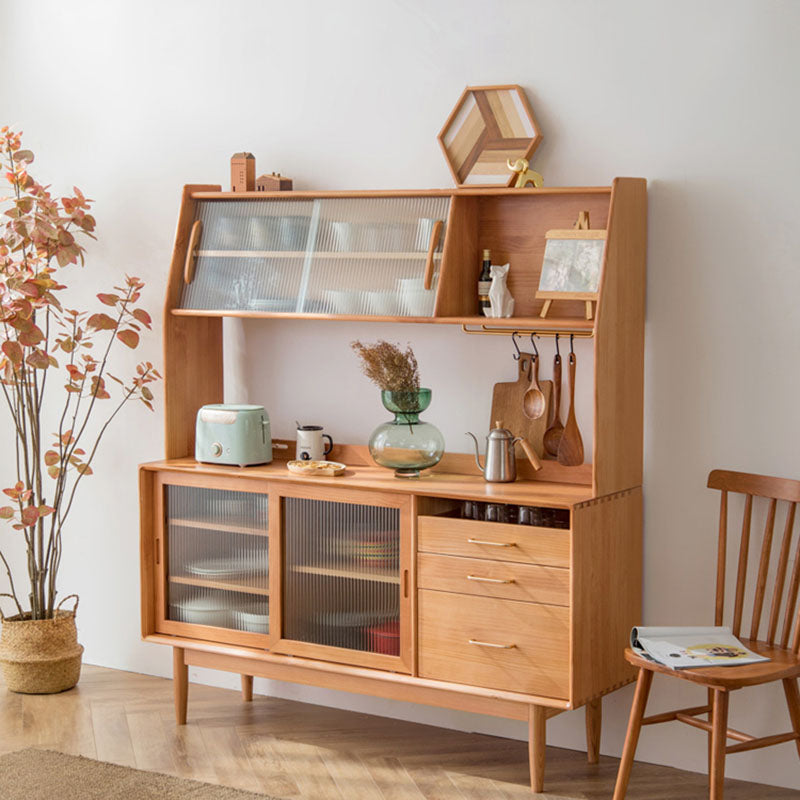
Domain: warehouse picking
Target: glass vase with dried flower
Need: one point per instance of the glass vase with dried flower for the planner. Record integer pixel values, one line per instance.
(405, 444)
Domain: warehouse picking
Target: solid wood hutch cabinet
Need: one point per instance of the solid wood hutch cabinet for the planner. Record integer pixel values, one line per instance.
(364, 582)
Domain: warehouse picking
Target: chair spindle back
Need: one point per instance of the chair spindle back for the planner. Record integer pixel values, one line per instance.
(777, 491)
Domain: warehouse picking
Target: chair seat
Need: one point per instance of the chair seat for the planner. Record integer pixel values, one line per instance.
(783, 664)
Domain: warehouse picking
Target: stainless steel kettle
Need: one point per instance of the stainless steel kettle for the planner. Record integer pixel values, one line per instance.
(501, 463)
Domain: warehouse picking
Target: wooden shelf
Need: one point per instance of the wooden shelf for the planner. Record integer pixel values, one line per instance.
(226, 584)
(560, 324)
(389, 256)
(335, 572)
(210, 525)
(480, 191)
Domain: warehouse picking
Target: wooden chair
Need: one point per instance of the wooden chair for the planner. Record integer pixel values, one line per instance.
(781, 640)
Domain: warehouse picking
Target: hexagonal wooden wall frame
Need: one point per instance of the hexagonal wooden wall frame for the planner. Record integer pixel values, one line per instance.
(489, 125)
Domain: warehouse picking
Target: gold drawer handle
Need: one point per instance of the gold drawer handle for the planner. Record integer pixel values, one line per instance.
(489, 580)
(492, 644)
(492, 544)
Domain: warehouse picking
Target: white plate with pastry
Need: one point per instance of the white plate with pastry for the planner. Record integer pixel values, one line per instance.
(326, 469)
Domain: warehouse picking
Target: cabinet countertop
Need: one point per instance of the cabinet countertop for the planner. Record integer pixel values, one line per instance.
(429, 484)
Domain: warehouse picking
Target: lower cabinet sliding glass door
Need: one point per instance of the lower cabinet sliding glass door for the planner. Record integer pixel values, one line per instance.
(213, 551)
(345, 593)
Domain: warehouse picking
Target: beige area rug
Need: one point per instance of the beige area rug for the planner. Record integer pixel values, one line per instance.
(45, 775)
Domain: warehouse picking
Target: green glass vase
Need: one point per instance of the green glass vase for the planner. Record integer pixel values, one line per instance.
(406, 444)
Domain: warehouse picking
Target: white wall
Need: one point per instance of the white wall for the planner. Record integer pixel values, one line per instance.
(132, 100)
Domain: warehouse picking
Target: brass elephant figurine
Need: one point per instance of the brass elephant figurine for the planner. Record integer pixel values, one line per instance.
(524, 174)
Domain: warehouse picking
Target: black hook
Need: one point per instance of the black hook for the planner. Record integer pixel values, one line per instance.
(571, 342)
(535, 348)
(557, 353)
(516, 346)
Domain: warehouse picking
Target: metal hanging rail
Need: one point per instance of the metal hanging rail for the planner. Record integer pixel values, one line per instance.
(483, 330)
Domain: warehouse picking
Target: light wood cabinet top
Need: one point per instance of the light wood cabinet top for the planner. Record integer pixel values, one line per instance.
(433, 484)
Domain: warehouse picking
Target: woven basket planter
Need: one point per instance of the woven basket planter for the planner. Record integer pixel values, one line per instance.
(40, 656)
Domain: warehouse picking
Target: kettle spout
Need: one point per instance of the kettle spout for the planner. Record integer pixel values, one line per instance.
(477, 452)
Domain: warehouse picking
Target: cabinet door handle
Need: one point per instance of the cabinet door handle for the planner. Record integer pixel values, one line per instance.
(492, 544)
(492, 644)
(191, 252)
(436, 233)
(489, 580)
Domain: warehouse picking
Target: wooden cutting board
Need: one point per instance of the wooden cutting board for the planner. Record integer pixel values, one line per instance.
(507, 407)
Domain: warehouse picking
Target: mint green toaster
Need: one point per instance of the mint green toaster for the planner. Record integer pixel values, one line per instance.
(233, 434)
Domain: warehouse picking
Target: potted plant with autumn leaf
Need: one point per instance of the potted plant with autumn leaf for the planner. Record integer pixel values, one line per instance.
(55, 386)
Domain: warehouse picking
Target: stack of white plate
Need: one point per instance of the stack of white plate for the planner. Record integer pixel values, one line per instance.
(200, 610)
(253, 617)
(251, 564)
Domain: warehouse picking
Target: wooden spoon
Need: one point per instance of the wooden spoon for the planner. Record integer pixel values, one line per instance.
(570, 448)
(552, 436)
(533, 401)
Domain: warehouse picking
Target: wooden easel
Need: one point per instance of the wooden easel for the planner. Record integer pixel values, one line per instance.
(580, 230)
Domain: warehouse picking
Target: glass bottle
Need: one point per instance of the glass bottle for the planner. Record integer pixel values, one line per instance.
(485, 283)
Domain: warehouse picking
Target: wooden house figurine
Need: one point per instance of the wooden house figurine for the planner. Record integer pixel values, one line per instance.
(274, 182)
(243, 172)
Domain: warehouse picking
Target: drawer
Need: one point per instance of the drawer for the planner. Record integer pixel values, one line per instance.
(494, 540)
(530, 583)
(499, 644)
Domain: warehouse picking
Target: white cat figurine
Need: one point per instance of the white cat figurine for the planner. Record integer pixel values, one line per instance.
(502, 303)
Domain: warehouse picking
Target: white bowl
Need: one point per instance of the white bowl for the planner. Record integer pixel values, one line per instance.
(418, 303)
(383, 303)
(201, 611)
(406, 285)
(253, 617)
(341, 236)
(342, 301)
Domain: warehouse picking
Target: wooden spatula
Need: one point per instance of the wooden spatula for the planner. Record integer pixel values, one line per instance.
(552, 436)
(570, 448)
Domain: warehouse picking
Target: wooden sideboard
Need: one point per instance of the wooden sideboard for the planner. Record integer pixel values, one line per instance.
(371, 584)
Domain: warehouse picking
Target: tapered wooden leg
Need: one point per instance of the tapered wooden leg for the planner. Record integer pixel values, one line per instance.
(719, 740)
(180, 681)
(632, 737)
(793, 701)
(594, 724)
(710, 720)
(247, 688)
(536, 744)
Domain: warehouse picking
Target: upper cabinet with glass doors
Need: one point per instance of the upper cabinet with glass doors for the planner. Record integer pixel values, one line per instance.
(354, 256)
(400, 256)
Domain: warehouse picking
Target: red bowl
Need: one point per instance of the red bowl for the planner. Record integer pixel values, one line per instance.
(385, 638)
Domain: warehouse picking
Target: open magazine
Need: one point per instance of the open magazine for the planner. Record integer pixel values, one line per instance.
(686, 647)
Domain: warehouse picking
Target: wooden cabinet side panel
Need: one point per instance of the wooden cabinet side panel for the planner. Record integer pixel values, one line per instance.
(606, 591)
(619, 343)
(147, 550)
(458, 282)
(192, 348)
(193, 377)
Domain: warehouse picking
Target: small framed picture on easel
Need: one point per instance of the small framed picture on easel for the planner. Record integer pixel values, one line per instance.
(571, 267)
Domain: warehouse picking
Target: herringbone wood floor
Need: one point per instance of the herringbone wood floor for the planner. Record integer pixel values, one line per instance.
(296, 750)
